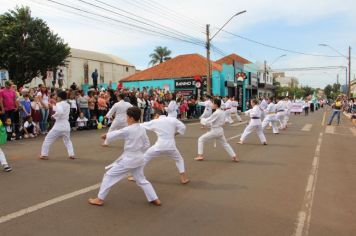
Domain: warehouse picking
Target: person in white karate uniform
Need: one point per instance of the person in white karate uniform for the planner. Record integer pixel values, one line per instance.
(61, 128)
(131, 160)
(281, 109)
(255, 123)
(228, 110)
(215, 122)
(263, 106)
(172, 107)
(289, 104)
(166, 128)
(234, 106)
(119, 112)
(3, 162)
(208, 107)
(270, 117)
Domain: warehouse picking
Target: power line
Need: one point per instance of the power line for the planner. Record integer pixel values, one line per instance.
(175, 32)
(177, 14)
(126, 23)
(278, 48)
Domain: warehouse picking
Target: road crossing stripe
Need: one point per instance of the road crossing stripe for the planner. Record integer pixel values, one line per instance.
(330, 129)
(233, 137)
(53, 201)
(304, 215)
(307, 127)
(240, 123)
(353, 131)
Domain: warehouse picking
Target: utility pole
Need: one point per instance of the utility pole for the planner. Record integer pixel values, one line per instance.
(208, 75)
(337, 79)
(349, 88)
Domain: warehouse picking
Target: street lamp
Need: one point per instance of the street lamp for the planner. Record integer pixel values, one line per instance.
(208, 40)
(275, 60)
(349, 65)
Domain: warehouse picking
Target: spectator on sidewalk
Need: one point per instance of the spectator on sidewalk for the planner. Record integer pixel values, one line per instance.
(337, 108)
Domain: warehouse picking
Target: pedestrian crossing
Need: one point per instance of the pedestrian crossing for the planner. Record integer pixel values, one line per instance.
(339, 130)
(307, 127)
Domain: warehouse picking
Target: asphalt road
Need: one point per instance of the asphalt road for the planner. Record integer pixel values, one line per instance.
(301, 183)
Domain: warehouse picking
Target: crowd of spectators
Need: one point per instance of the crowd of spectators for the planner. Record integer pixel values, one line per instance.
(26, 112)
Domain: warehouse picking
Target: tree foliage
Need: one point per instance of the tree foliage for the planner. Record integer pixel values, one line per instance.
(28, 48)
(159, 55)
(297, 92)
(332, 91)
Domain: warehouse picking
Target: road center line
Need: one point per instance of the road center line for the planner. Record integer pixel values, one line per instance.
(240, 123)
(324, 117)
(53, 201)
(307, 127)
(304, 215)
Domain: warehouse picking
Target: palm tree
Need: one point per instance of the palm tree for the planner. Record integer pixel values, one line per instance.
(159, 55)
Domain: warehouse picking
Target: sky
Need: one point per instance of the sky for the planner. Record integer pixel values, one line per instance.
(297, 25)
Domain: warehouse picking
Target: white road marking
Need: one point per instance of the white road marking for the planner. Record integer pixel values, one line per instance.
(353, 131)
(323, 121)
(53, 201)
(330, 129)
(307, 127)
(238, 124)
(236, 136)
(304, 215)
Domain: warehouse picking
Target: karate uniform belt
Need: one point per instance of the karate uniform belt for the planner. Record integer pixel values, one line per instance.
(255, 118)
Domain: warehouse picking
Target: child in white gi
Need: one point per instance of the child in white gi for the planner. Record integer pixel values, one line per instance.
(215, 121)
(172, 107)
(255, 123)
(61, 128)
(119, 111)
(281, 109)
(166, 128)
(3, 162)
(234, 105)
(131, 160)
(207, 107)
(270, 117)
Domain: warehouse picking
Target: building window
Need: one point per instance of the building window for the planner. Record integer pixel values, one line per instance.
(127, 69)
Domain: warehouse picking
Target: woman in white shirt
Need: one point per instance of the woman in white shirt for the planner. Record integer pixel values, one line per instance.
(44, 100)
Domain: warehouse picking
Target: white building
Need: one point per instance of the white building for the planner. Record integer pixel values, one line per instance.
(265, 80)
(82, 63)
(286, 81)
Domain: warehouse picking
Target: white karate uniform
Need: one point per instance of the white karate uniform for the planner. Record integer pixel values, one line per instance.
(234, 105)
(165, 128)
(130, 161)
(288, 111)
(255, 124)
(281, 110)
(208, 108)
(215, 121)
(271, 118)
(263, 106)
(119, 111)
(172, 108)
(228, 107)
(61, 129)
(2, 158)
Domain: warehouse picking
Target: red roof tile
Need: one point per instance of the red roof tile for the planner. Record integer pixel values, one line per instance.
(228, 59)
(182, 66)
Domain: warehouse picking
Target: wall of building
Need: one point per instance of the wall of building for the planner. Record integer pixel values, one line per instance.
(162, 83)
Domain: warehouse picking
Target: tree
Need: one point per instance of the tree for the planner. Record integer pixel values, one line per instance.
(28, 48)
(159, 55)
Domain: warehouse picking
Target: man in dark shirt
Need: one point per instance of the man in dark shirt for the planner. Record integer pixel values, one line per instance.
(94, 76)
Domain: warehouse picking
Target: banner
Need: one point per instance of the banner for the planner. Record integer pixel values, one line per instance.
(297, 107)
